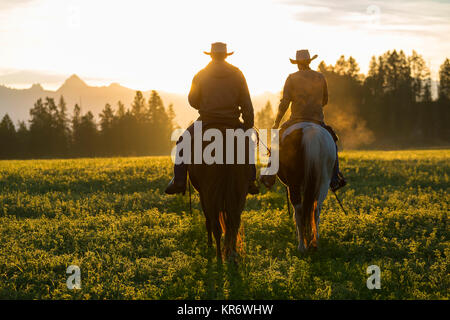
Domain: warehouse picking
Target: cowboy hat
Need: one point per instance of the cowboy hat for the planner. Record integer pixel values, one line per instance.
(219, 47)
(302, 56)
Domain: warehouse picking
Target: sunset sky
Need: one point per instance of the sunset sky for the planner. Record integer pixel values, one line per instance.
(159, 44)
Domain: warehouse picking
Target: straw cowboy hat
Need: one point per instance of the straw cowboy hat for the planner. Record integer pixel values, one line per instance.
(302, 57)
(219, 47)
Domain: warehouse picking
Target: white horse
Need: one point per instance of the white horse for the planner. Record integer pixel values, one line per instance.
(307, 158)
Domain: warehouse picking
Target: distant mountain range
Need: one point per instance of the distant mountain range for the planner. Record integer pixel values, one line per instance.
(18, 102)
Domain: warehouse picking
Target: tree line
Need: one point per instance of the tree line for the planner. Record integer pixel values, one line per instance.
(143, 129)
(390, 106)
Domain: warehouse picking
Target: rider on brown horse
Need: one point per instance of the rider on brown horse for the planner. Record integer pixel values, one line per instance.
(307, 90)
(220, 94)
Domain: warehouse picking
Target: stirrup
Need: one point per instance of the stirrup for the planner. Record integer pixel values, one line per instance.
(253, 188)
(268, 180)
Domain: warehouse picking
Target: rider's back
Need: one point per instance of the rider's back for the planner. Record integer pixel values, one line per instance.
(308, 92)
(220, 93)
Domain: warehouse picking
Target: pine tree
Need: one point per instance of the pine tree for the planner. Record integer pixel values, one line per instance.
(106, 130)
(22, 140)
(76, 139)
(443, 104)
(138, 106)
(120, 109)
(88, 135)
(352, 68)
(124, 124)
(444, 81)
(8, 139)
(160, 125)
(62, 130)
(41, 132)
(265, 117)
(324, 68)
(341, 66)
(171, 115)
(421, 79)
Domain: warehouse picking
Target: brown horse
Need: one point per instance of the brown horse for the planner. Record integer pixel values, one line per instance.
(223, 191)
(307, 157)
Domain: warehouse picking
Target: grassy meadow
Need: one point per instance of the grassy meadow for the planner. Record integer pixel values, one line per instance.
(131, 241)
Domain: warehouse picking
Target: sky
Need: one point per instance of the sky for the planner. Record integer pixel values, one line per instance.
(159, 44)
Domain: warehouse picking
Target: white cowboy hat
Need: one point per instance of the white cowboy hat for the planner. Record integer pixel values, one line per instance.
(302, 56)
(219, 47)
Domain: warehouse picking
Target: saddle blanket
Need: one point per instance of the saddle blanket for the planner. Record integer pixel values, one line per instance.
(298, 126)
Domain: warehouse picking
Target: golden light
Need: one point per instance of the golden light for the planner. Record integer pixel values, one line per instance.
(158, 44)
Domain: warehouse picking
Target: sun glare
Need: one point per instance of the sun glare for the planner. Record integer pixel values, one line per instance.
(159, 44)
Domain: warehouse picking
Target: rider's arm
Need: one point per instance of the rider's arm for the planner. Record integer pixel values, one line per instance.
(194, 94)
(284, 103)
(325, 92)
(246, 105)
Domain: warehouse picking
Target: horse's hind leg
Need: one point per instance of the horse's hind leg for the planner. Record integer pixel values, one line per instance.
(322, 195)
(217, 231)
(231, 237)
(301, 244)
(209, 231)
(207, 221)
(294, 195)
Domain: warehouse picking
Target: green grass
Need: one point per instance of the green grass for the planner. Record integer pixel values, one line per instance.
(111, 218)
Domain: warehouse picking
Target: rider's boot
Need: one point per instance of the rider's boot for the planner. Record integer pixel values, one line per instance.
(268, 180)
(178, 182)
(337, 181)
(253, 187)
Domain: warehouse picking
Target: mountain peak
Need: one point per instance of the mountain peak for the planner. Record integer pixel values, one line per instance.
(36, 87)
(115, 85)
(73, 81)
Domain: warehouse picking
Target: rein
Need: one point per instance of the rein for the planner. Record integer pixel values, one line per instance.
(288, 204)
(190, 195)
(259, 141)
(286, 188)
(340, 203)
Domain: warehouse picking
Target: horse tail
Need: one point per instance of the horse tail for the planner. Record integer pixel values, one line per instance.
(311, 149)
(223, 225)
(240, 232)
(230, 215)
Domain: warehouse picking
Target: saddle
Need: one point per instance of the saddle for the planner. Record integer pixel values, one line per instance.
(332, 132)
(222, 127)
(302, 124)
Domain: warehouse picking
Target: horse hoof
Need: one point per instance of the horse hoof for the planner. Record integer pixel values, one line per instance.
(301, 249)
(314, 246)
(233, 258)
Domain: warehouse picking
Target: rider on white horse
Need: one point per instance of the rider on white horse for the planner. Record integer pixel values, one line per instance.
(308, 92)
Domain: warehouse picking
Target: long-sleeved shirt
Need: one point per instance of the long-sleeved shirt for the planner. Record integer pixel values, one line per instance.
(307, 90)
(220, 94)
